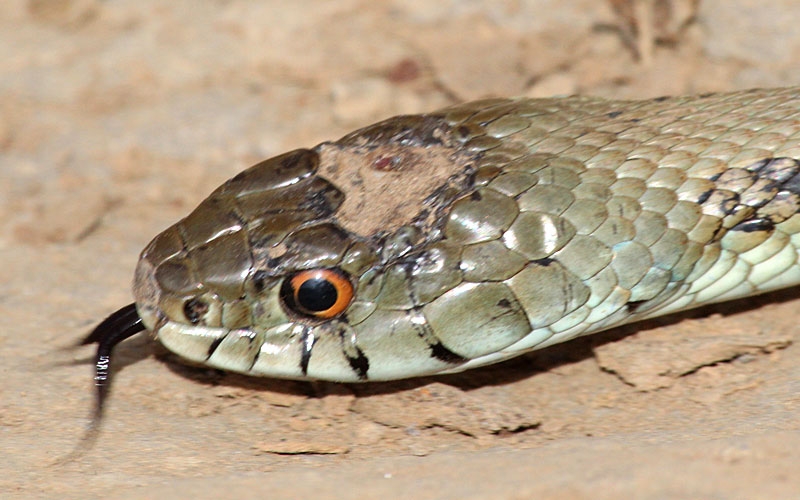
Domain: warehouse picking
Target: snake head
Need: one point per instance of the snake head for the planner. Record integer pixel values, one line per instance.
(415, 246)
(314, 263)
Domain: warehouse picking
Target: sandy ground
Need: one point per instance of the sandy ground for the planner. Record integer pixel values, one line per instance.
(118, 117)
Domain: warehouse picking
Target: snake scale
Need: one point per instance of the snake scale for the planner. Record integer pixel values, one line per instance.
(436, 243)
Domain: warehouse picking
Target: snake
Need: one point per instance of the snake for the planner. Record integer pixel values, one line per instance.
(435, 243)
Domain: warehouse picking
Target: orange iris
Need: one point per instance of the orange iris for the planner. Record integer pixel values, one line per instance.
(322, 293)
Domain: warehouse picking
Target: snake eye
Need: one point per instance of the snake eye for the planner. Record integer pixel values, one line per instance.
(320, 293)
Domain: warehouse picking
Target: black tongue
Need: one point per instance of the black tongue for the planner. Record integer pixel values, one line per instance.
(114, 329)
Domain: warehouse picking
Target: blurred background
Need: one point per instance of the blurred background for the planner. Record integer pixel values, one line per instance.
(165, 99)
(117, 117)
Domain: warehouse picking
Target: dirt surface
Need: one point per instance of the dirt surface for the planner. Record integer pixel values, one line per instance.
(118, 117)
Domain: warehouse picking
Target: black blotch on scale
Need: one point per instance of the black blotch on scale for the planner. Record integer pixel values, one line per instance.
(634, 305)
(323, 202)
(213, 347)
(260, 280)
(308, 342)
(359, 363)
(792, 185)
(754, 225)
(442, 353)
(782, 170)
(704, 196)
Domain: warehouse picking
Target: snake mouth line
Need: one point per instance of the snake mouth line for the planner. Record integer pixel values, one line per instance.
(119, 326)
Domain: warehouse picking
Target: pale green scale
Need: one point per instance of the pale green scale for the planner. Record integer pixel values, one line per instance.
(600, 176)
(637, 168)
(669, 178)
(660, 200)
(763, 272)
(507, 125)
(728, 277)
(331, 353)
(632, 187)
(549, 199)
(584, 256)
(600, 286)
(569, 292)
(391, 340)
(480, 218)
(582, 153)
(537, 235)
(395, 291)
(668, 250)
(774, 244)
(571, 320)
(650, 226)
(490, 261)
(614, 302)
(684, 216)
(562, 176)
(438, 271)
(607, 159)
(615, 230)
(586, 214)
(721, 263)
(651, 285)
(631, 262)
(513, 183)
(741, 243)
(193, 347)
(705, 229)
(490, 306)
(360, 310)
(236, 314)
(592, 191)
(237, 349)
(788, 277)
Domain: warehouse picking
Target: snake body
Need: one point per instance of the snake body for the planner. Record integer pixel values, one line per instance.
(476, 233)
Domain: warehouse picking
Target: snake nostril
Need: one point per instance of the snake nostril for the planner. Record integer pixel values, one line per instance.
(195, 309)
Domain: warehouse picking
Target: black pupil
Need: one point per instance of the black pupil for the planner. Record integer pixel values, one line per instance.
(316, 295)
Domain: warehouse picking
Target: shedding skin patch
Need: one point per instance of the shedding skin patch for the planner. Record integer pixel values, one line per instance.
(390, 179)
